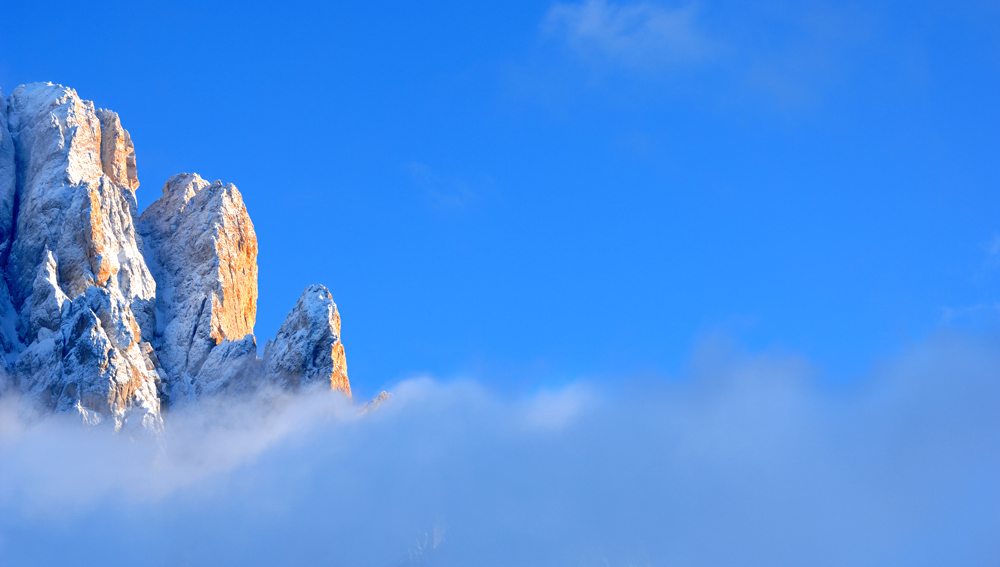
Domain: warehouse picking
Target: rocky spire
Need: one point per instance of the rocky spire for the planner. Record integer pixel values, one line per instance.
(202, 247)
(307, 349)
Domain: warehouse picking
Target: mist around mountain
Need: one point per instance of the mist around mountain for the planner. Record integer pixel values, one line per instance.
(745, 460)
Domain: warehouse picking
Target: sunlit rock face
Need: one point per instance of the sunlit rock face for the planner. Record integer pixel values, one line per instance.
(117, 151)
(307, 349)
(114, 316)
(202, 247)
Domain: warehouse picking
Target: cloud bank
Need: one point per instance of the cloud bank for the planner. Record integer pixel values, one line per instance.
(748, 460)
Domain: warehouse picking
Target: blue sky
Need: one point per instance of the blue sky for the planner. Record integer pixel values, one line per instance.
(623, 239)
(534, 192)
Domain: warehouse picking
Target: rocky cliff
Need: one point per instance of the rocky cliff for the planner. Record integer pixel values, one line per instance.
(116, 316)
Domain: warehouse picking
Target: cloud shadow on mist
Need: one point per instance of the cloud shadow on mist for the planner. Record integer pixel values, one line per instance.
(748, 461)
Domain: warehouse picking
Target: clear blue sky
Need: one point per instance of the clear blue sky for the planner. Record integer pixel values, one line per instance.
(530, 191)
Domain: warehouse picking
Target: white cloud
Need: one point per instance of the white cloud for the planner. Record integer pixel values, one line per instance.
(749, 461)
(639, 35)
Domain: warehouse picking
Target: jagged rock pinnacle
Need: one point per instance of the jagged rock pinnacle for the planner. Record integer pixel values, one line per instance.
(307, 348)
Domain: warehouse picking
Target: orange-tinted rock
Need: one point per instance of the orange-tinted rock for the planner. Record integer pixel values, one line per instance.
(117, 151)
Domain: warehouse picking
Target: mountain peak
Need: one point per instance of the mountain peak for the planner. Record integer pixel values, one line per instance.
(116, 316)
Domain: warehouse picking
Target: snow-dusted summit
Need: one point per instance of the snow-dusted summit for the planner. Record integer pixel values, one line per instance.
(116, 316)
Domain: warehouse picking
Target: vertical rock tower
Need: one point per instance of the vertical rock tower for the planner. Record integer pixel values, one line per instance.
(116, 316)
(202, 248)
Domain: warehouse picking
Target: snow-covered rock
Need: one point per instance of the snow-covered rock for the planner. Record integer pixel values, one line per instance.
(75, 268)
(202, 247)
(93, 364)
(57, 140)
(115, 316)
(307, 349)
(232, 367)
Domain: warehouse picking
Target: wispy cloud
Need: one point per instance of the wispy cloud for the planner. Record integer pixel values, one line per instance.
(993, 247)
(791, 52)
(639, 35)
